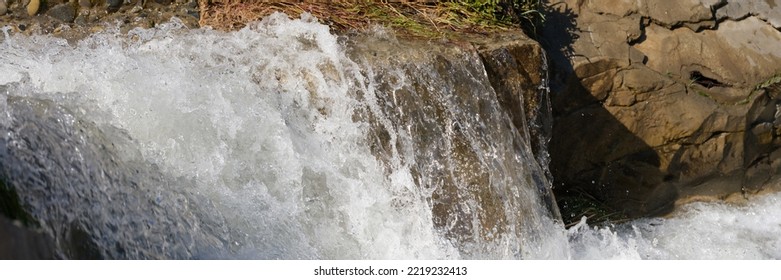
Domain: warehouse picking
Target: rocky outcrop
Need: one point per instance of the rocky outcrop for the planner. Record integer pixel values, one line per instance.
(662, 101)
(518, 72)
(470, 110)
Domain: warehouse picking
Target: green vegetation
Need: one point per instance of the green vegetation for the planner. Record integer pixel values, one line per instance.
(487, 13)
(775, 79)
(575, 206)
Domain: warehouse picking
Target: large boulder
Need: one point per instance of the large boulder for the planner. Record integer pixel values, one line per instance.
(473, 110)
(659, 102)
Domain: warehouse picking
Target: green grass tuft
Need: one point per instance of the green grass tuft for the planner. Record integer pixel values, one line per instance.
(575, 206)
(775, 79)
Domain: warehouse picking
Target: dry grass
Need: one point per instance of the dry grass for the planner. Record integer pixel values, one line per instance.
(427, 18)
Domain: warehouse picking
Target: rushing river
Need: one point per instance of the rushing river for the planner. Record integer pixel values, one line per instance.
(282, 141)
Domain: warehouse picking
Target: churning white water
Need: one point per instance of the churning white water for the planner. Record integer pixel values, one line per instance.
(234, 118)
(176, 143)
(697, 231)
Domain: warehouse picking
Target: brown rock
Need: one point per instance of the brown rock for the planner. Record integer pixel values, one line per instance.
(516, 72)
(620, 8)
(695, 14)
(662, 107)
(621, 98)
(738, 55)
(434, 99)
(768, 11)
(64, 12)
(600, 85)
(33, 6)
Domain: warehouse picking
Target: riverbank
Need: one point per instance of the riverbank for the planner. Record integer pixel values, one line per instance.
(72, 19)
(633, 135)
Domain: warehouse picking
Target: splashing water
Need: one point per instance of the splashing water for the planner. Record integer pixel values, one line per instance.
(175, 143)
(697, 231)
(282, 140)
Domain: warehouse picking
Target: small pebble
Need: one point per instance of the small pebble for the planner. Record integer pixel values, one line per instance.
(85, 3)
(65, 12)
(81, 19)
(3, 7)
(33, 6)
(113, 5)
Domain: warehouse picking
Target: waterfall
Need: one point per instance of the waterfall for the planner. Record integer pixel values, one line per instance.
(284, 141)
(280, 140)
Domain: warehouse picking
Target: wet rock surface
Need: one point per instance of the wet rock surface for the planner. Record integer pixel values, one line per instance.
(46, 181)
(436, 106)
(18, 242)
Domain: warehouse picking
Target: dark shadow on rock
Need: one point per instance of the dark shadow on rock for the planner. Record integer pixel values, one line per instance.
(762, 156)
(556, 37)
(80, 245)
(592, 153)
(18, 239)
(11, 207)
(20, 243)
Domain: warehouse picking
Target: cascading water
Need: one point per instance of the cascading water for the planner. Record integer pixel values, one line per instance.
(276, 141)
(282, 140)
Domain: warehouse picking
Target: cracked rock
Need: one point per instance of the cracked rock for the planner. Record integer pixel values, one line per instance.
(659, 93)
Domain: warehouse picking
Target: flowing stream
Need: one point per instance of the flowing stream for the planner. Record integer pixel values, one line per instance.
(282, 140)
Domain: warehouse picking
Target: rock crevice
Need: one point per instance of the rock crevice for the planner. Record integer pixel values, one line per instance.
(663, 99)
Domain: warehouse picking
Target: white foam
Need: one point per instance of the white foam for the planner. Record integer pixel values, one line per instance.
(259, 124)
(697, 231)
(261, 121)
